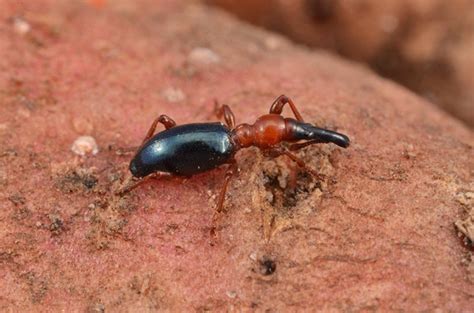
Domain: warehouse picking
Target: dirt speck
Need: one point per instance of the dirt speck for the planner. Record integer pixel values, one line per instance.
(8, 153)
(56, 224)
(231, 294)
(21, 213)
(96, 308)
(20, 25)
(17, 199)
(70, 180)
(203, 56)
(267, 266)
(36, 285)
(173, 95)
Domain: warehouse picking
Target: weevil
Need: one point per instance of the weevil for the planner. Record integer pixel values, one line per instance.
(185, 150)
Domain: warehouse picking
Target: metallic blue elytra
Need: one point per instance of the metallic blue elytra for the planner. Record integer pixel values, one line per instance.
(184, 150)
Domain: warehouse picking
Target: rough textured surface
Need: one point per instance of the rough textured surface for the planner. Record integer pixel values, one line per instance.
(377, 233)
(426, 45)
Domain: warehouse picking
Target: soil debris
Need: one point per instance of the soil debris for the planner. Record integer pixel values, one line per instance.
(56, 226)
(466, 226)
(292, 191)
(74, 180)
(108, 219)
(17, 199)
(267, 266)
(37, 286)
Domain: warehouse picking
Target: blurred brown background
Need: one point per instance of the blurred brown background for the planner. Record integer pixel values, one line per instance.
(426, 45)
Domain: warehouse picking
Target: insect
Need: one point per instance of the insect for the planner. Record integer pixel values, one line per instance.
(189, 149)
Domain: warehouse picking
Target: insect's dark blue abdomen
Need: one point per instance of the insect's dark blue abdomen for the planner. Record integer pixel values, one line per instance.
(184, 150)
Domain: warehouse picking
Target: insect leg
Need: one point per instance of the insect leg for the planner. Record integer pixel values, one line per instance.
(134, 182)
(225, 111)
(279, 103)
(167, 121)
(231, 170)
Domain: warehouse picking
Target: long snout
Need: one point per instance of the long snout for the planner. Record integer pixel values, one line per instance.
(326, 135)
(306, 131)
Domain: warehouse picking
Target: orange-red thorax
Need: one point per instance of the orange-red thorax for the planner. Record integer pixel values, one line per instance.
(268, 130)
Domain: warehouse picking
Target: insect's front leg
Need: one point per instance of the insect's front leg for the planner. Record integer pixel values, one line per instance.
(133, 182)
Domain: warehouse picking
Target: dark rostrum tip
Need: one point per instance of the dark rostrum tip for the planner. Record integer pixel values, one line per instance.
(326, 135)
(341, 140)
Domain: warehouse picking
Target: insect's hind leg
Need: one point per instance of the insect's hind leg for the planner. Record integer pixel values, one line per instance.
(167, 121)
(279, 103)
(225, 111)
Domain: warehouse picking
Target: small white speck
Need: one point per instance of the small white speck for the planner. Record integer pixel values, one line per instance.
(21, 26)
(253, 256)
(173, 94)
(231, 294)
(38, 224)
(204, 56)
(247, 210)
(85, 145)
(269, 196)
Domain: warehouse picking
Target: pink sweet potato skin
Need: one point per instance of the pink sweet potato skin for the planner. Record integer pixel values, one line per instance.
(376, 233)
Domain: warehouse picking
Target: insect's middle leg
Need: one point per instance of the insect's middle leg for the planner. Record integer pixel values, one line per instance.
(232, 169)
